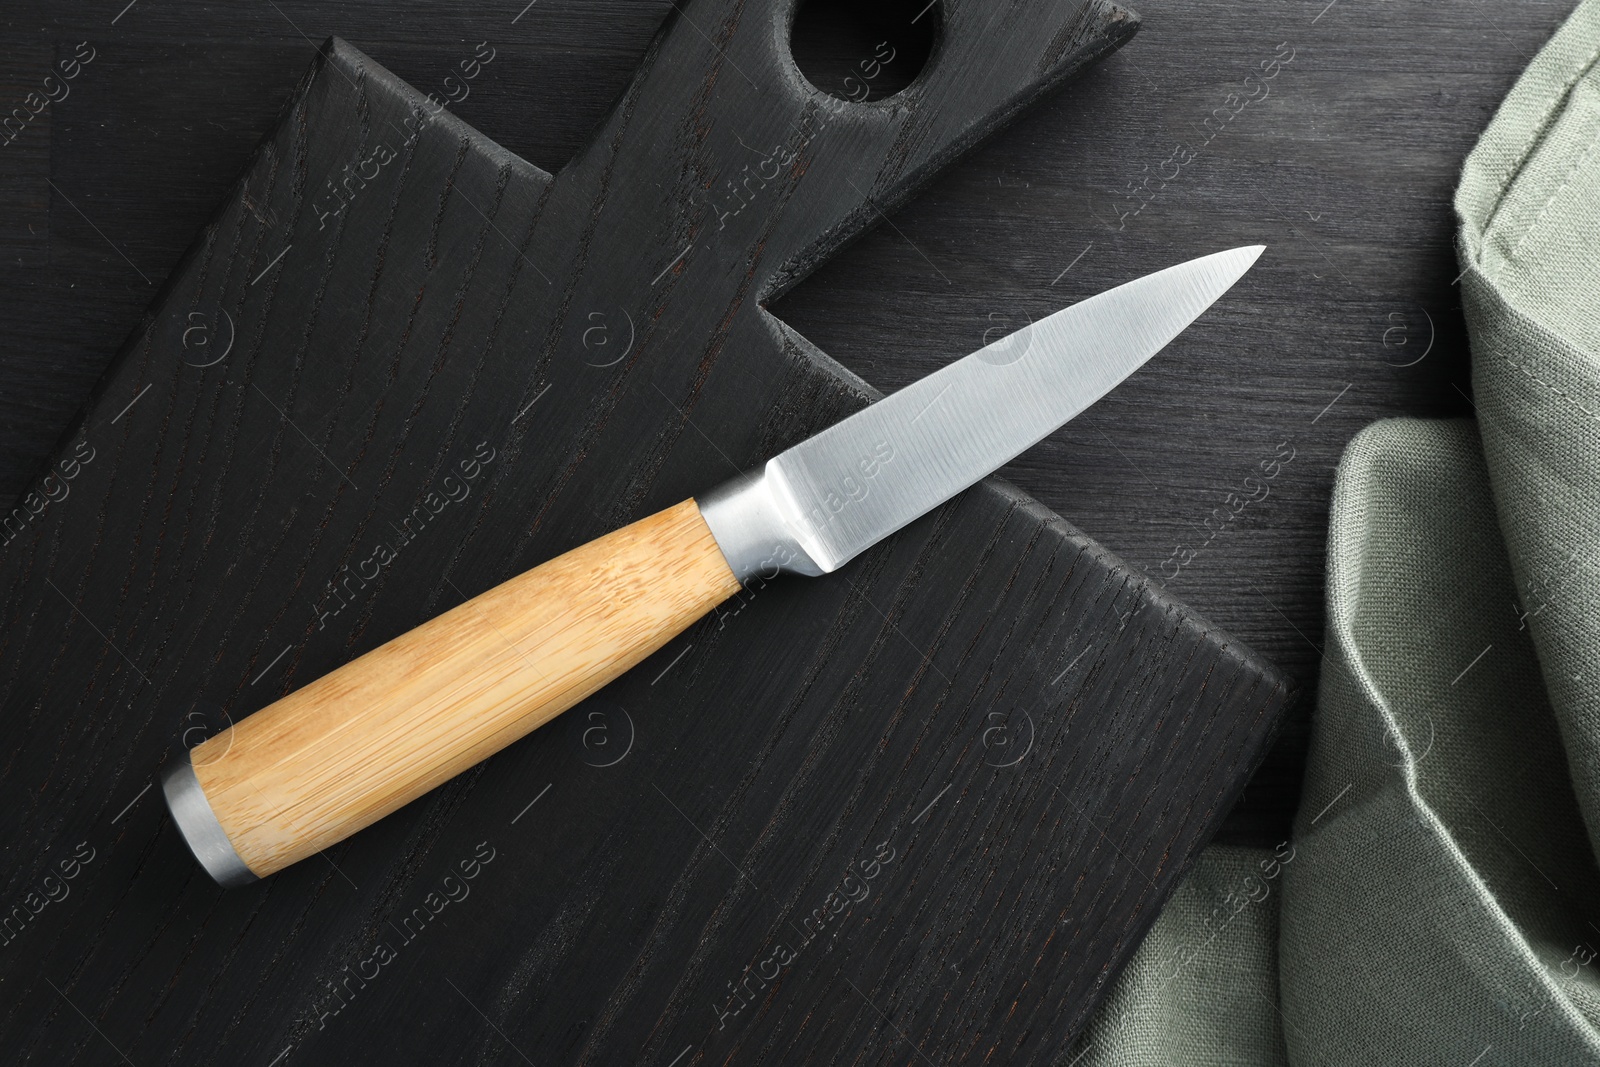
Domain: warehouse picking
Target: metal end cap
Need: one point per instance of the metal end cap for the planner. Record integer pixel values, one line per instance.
(192, 814)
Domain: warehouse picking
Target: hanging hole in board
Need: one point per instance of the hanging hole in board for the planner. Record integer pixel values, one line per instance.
(863, 50)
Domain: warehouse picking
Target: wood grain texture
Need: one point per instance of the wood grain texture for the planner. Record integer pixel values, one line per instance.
(922, 808)
(327, 760)
(1345, 173)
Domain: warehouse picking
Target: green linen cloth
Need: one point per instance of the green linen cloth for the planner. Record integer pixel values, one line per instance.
(1440, 900)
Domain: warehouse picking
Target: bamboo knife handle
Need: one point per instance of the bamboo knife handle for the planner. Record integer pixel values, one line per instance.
(377, 733)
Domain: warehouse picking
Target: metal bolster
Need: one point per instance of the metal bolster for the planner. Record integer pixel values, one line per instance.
(192, 814)
(748, 525)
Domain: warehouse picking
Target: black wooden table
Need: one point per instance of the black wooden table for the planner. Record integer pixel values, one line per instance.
(1343, 163)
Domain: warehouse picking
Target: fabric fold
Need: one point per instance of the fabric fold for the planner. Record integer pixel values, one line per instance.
(1529, 206)
(1443, 867)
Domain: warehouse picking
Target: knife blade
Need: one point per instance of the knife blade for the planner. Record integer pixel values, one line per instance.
(347, 749)
(846, 488)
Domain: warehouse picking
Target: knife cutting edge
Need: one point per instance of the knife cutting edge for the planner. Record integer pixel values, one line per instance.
(373, 735)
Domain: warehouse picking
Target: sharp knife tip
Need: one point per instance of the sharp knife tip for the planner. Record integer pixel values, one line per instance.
(1235, 263)
(1249, 252)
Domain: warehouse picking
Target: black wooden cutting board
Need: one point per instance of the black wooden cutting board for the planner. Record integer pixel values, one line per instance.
(919, 811)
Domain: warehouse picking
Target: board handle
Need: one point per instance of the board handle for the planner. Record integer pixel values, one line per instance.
(346, 750)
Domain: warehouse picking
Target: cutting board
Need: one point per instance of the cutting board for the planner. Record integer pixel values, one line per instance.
(919, 811)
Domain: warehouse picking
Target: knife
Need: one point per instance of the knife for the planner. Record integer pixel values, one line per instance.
(337, 755)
